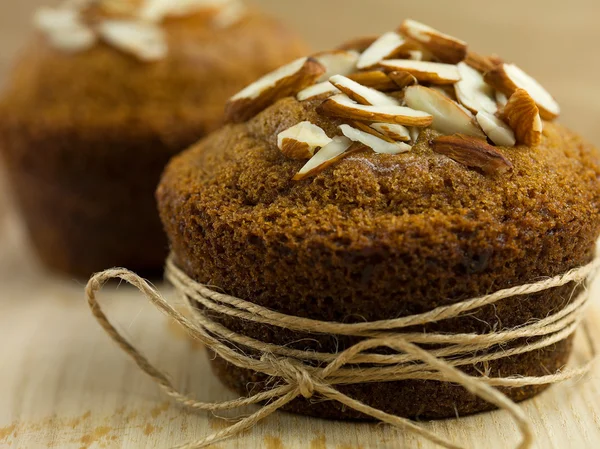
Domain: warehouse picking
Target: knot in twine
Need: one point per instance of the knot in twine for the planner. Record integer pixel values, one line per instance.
(301, 373)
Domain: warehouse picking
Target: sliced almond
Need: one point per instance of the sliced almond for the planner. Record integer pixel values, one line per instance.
(388, 45)
(337, 62)
(448, 116)
(337, 149)
(496, 129)
(415, 55)
(64, 29)
(343, 107)
(359, 44)
(523, 116)
(482, 63)
(377, 144)
(402, 79)
(446, 48)
(287, 80)
(473, 92)
(501, 99)
(507, 78)
(392, 131)
(472, 152)
(144, 40)
(362, 94)
(230, 14)
(375, 79)
(366, 128)
(301, 140)
(431, 72)
(414, 134)
(325, 89)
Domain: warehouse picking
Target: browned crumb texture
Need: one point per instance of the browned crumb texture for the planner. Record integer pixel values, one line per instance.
(381, 236)
(86, 136)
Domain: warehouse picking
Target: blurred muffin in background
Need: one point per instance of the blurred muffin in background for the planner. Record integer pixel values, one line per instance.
(102, 98)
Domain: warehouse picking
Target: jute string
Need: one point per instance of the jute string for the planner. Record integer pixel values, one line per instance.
(298, 373)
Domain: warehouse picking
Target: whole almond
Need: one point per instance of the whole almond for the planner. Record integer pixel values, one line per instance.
(523, 116)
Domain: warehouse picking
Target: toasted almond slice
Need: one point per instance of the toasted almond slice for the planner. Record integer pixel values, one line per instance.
(230, 14)
(392, 131)
(496, 129)
(325, 88)
(472, 152)
(301, 140)
(448, 116)
(473, 92)
(388, 45)
(501, 99)
(415, 55)
(414, 134)
(342, 106)
(507, 78)
(359, 44)
(522, 115)
(325, 157)
(431, 72)
(65, 29)
(446, 48)
(337, 62)
(402, 79)
(375, 143)
(366, 128)
(375, 79)
(482, 63)
(362, 94)
(144, 40)
(287, 80)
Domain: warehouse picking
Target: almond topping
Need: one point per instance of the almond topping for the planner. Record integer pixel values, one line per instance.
(496, 129)
(473, 92)
(507, 78)
(375, 79)
(287, 80)
(337, 62)
(337, 149)
(446, 48)
(362, 94)
(402, 79)
(368, 129)
(301, 140)
(414, 134)
(472, 152)
(359, 44)
(523, 116)
(65, 29)
(377, 144)
(388, 45)
(322, 89)
(501, 99)
(431, 72)
(448, 116)
(342, 106)
(144, 40)
(482, 63)
(393, 131)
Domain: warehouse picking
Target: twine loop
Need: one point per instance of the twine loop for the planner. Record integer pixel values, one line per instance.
(302, 373)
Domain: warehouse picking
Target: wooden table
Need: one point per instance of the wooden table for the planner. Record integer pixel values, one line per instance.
(64, 384)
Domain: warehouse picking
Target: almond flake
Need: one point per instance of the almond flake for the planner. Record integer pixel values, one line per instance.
(158, 10)
(501, 99)
(144, 40)
(393, 131)
(472, 152)
(507, 78)
(482, 63)
(522, 114)
(431, 72)
(377, 144)
(446, 48)
(402, 79)
(301, 140)
(473, 92)
(316, 90)
(285, 81)
(337, 62)
(388, 45)
(448, 116)
(375, 79)
(366, 128)
(230, 14)
(343, 107)
(328, 155)
(64, 29)
(496, 129)
(362, 94)
(414, 134)
(359, 44)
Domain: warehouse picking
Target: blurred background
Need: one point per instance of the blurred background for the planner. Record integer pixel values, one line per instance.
(555, 40)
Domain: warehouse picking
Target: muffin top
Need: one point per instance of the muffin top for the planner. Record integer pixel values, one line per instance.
(102, 66)
(432, 192)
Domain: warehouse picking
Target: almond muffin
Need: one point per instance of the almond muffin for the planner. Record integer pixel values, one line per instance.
(412, 175)
(99, 102)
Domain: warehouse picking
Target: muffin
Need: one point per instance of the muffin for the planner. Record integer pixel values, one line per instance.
(440, 177)
(99, 102)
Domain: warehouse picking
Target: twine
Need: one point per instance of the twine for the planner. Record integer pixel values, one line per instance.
(297, 378)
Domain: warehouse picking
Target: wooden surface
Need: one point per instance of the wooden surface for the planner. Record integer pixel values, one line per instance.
(63, 384)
